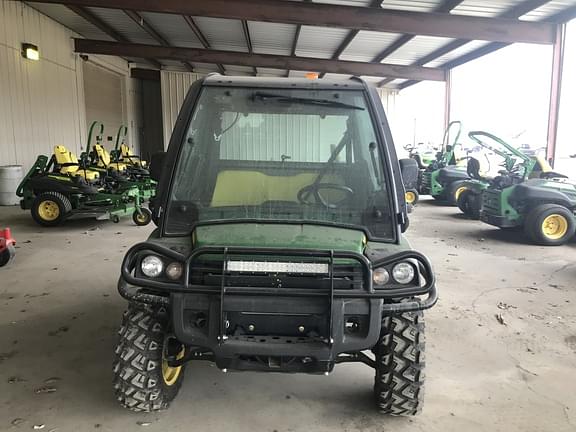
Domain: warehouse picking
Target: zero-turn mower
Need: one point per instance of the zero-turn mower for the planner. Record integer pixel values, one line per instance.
(515, 164)
(62, 188)
(439, 178)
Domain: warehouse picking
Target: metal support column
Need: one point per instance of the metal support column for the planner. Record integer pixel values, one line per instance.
(447, 98)
(555, 90)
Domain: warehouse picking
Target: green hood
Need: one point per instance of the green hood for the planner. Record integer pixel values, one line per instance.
(279, 236)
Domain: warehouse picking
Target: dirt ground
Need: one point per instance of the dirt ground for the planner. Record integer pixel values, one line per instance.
(501, 347)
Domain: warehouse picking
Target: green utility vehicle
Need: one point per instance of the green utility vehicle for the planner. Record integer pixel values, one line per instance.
(514, 163)
(279, 247)
(440, 178)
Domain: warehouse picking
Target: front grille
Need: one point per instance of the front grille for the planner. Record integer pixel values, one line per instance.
(491, 200)
(346, 276)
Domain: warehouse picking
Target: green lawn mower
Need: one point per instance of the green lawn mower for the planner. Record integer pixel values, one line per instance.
(440, 177)
(128, 174)
(60, 188)
(544, 207)
(514, 163)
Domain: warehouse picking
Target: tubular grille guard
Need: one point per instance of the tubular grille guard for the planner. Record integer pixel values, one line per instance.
(131, 259)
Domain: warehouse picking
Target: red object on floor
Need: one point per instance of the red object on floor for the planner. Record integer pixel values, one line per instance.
(6, 239)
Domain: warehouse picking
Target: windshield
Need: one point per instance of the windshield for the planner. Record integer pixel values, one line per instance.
(307, 156)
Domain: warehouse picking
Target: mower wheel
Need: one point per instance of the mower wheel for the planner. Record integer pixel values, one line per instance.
(469, 203)
(453, 192)
(143, 381)
(399, 382)
(50, 208)
(550, 225)
(142, 219)
(7, 254)
(412, 196)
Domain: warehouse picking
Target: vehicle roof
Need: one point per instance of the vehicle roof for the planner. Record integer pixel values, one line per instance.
(278, 82)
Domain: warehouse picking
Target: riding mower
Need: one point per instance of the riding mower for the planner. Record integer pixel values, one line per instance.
(130, 174)
(62, 188)
(439, 178)
(515, 162)
(544, 206)
(121, 152)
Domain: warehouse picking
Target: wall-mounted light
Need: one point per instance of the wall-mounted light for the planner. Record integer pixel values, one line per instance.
(30, 51)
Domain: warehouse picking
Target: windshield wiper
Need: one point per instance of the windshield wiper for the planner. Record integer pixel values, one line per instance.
(305, 101)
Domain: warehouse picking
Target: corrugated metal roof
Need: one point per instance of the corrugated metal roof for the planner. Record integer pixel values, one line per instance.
(414, 6)
(223, 34)
(271, 38)
(277, 39)
(549, 9)
(416, 48)
(367, 45)
(173, 28)
(67, 18)
(124, 25)
(320, 42)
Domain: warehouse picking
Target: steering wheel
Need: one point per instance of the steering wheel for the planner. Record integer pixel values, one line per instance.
(314, 189)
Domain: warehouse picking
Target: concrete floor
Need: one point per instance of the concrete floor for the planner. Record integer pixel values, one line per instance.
(59, 312)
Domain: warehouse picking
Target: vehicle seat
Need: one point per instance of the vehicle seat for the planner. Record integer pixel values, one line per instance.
(473, 169)
(104, 160)
(130, 158)
(68, 164)
(252, 188)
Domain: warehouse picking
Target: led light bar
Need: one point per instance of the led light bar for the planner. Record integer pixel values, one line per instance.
(276, 267)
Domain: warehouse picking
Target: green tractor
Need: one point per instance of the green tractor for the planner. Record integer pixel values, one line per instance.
(279, 248)
(440, 178)
(515, 164)
(61, 188)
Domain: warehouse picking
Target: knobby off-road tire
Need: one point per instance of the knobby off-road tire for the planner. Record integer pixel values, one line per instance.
(399, 382)
(138, 374)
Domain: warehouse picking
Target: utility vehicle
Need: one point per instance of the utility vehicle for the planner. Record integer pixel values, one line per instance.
(515, 164)
(279, 246)
(440, 178)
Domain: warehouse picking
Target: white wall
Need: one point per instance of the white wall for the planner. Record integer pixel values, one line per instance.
(42, 102)
(174, 87)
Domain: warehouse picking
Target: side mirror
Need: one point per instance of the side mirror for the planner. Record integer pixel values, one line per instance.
(157, 165)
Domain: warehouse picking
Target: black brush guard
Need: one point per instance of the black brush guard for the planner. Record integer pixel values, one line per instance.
(315, 353)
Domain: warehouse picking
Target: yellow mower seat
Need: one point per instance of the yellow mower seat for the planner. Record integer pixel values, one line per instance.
(104, 160)
(130, 158)
(69, 165)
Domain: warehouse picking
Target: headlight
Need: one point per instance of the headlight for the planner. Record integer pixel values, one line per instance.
(174, 270)
(380, 277)
(403, 273)
(152, 266)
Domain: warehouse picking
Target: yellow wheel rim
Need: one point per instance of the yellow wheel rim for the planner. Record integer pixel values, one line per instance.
(48, 210)
(170, 374)
(410, 197)
(141, 217)
(459, 192)
(555, 226)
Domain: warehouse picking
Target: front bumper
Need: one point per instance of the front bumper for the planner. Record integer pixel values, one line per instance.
(276, 329)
